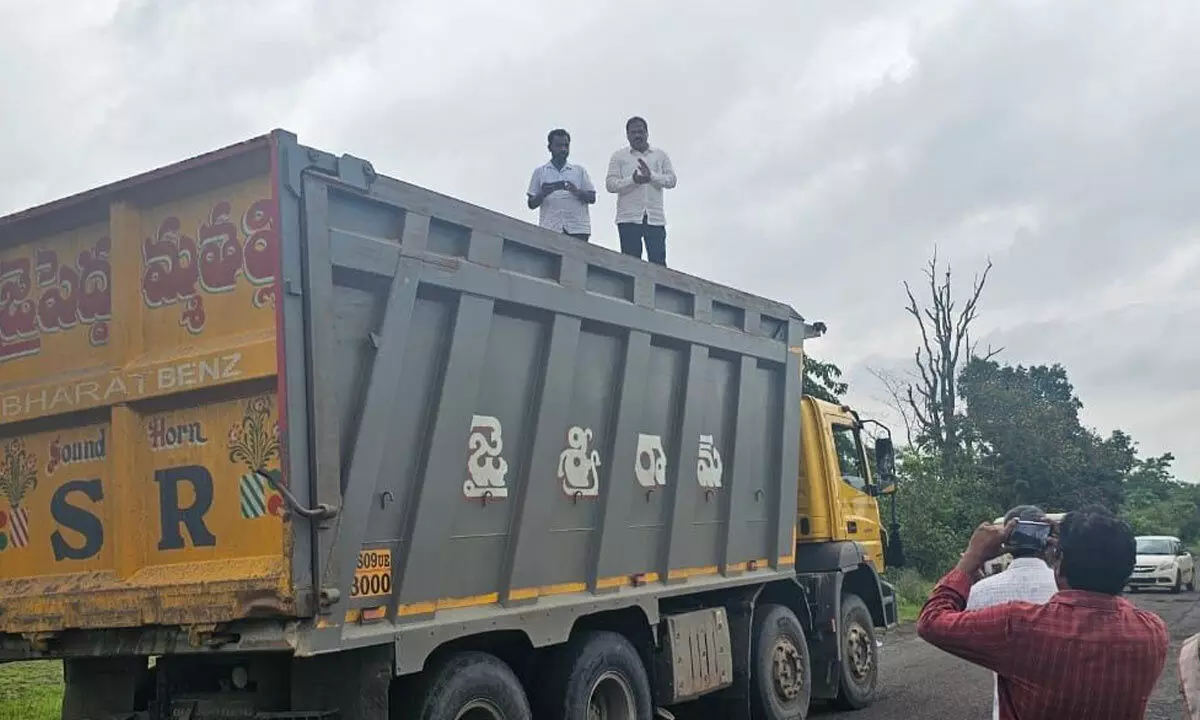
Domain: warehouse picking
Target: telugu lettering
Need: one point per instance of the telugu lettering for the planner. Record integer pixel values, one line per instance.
(42, 294)
(180, 270)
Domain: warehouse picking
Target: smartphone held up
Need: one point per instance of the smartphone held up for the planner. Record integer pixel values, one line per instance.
(1029, 535)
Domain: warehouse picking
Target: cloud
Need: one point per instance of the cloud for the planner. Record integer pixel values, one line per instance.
(823, 150)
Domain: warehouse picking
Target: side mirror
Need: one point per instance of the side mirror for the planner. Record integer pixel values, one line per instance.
(885, 465)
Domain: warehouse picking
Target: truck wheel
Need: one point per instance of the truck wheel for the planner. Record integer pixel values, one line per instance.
(860, 655)
(469, 686)
(597, 676)
(780, 682)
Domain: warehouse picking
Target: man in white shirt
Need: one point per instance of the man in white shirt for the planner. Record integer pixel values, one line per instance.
(638, 174)
(1028, 578)
(562, 191)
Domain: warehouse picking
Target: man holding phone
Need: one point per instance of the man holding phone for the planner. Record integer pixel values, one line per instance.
(1028, 577)
(562, 191)
(1087, 653)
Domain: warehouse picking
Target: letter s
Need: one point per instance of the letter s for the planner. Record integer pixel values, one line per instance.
(76, 518)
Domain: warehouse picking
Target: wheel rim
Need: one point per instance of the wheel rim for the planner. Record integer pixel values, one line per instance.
(787, 669)
(858, 652)
(611, 699)
(479, 710)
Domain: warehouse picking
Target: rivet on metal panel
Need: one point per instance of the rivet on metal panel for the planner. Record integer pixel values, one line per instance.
(386, 497)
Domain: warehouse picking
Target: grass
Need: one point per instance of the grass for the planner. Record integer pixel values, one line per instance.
(31, 690)
(911, 592)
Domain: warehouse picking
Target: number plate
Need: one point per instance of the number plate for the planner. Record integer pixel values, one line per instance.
(373, 576)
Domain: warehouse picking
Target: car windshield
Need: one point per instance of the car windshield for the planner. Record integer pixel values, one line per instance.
(1155, 546)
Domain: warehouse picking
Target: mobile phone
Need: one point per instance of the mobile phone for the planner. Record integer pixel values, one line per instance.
(1029, 535)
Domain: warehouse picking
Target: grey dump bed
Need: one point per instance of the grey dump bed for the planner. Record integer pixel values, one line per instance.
(519, 423)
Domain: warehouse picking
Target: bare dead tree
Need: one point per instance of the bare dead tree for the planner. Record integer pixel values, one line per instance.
(895, 386)
(932, 397)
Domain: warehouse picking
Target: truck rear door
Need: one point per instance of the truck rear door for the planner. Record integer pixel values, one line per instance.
(140, 449)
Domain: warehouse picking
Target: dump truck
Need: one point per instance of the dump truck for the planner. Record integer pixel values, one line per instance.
(282, 437)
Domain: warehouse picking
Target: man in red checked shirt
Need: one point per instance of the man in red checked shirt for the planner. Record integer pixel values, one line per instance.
(1087, 653)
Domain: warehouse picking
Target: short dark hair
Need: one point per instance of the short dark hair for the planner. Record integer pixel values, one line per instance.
(1098, 550)
(555, 133)
(636, 119)
(1031, 513)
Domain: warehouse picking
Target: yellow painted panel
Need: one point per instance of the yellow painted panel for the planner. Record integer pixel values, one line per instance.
(208, 268)
(160, 325)
(205, 501)
(55, 304)
(191, 497)
(52, 502)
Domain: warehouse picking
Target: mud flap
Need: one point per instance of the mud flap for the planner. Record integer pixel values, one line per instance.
(891, 607)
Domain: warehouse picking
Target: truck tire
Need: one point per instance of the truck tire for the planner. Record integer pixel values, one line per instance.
(860, 655)
(781, 673)
(468, 685)
(597, 675)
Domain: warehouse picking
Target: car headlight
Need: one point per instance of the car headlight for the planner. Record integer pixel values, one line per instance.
(1166, 565)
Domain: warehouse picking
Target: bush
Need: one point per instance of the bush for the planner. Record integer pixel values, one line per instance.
(911, 587)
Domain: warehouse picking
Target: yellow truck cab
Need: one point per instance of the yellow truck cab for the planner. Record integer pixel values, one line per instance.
(837, 499)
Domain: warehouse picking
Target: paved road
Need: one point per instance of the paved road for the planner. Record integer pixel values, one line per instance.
(918, 680)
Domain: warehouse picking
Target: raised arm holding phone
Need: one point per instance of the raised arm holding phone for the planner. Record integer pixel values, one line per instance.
(1086, 653)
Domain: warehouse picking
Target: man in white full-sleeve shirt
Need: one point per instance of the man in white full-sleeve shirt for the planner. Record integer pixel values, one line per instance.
(638, 174)
(1028, 578)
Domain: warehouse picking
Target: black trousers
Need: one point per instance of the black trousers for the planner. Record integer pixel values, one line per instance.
(654, 236)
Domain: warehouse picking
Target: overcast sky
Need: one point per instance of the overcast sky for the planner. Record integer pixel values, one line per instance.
(822, 149)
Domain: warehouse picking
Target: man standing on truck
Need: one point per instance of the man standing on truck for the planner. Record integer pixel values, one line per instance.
(1087, 653)
(562, 191)
(1027, 578)
(638, 174)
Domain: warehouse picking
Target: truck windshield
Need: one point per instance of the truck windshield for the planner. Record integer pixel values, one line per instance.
(849, 456)
(1155, 546)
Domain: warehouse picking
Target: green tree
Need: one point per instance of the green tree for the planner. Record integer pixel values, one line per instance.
(1024, 425)
(823, 380)
(1158, 504)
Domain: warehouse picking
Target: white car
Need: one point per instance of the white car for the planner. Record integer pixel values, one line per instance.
(1163, 562)
(999, 564)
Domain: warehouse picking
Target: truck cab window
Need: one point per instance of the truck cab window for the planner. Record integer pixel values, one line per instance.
(849, 456)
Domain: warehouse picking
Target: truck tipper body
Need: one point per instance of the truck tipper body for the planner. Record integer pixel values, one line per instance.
(321, 443)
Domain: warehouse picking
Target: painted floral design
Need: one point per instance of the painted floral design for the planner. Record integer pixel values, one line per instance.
(18, 472)
(255, 440)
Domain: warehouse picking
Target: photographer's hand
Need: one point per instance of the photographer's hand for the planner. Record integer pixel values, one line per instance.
(986, 543)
